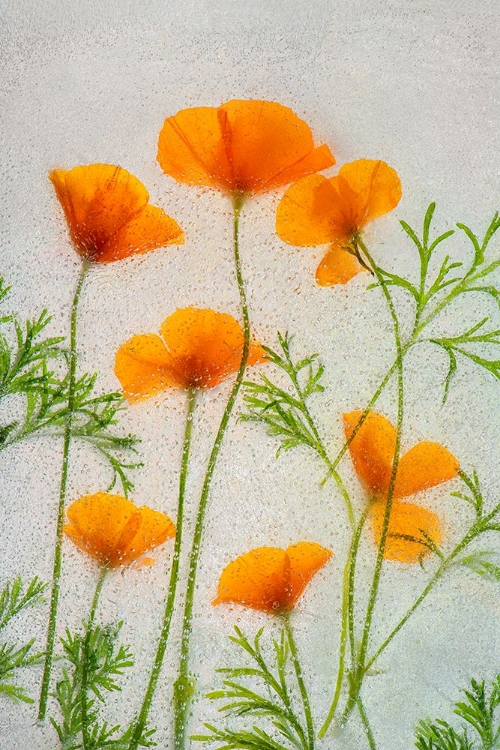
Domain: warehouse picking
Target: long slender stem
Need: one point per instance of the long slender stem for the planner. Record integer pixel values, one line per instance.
(56, 573)
(361, 657)
(184, 686)
(300, 682)
(85, 658)
(366, 724)
(395, 462)
(347, 627)
(174, 577)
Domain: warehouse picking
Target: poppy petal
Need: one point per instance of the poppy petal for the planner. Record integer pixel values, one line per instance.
(408, 526)
(372, 449)
(113, 531)
(425, 465)
(337, 267)
(244, 145)
(154, 529)
(310, 213)
(206, 345)
(96, 523)
(306, 558)
(256, 580)
(374, 187)
(144, 367)
(97, 199)
(270, 145)
(191, 148)
(149, 229)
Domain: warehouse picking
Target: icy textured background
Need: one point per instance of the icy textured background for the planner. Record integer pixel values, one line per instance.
(415, 84)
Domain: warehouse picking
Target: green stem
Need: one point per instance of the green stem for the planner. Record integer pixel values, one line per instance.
(426, 591)
(174, 577)
(366, 724)
(395, 462)
(56, 573)
(300, 682)
(320, 448)
(360, 667)
(85, 658)
(184, 685)
(347, 626)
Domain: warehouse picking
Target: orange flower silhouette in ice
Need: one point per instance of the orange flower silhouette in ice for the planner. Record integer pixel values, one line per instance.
(240, 147)
(319, 210)
(108, 213)
(199, 349)
(425, 465)
(271, 579)
(113, 530)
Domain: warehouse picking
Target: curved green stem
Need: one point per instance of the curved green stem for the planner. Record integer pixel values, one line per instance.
(300, 682)
(56, 572)
(184, 685)
(357, 677)
(445, 564)
(347, 626)
(395, 462)
(172, 586)
(85, 658)
(366, 725)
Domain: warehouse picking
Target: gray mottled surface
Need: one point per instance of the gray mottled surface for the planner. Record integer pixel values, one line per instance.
(414, 83)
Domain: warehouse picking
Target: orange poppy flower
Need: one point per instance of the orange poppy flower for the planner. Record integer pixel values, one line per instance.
(271, 579)
(318, 210)
(240, 147)
(199, 349)
(108, 213)
(425, 465)
(113, 530)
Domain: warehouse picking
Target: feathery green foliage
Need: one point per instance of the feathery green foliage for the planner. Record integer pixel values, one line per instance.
(285, 412)
(260, 690)
(14, 598)
(35, 367)
(481, 730)
(106, 661)
(451, 281)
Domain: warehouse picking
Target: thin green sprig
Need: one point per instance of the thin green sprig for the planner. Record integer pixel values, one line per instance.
(14, 599)
(452, 280)
(286, 414)
(93, 664)
(478, 561)
(263, 689)
(478, 710)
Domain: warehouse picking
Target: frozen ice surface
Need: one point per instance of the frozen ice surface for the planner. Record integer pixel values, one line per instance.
(415, 84)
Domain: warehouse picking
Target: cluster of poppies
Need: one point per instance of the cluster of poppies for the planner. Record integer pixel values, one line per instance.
(242, 148)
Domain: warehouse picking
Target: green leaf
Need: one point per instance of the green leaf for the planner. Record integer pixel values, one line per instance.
(105, 661)
(14, 598)
(441, 736)
(260, 694)
(17, 596)
(392, 279)
(284, 411)
(429, 214)
(412, 235)
(479, 563)
(452, 368)
(479, 712)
